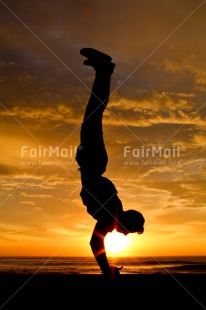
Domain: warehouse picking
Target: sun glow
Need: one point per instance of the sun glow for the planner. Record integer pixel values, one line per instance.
(116, 242)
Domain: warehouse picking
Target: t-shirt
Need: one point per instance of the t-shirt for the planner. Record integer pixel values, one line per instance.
(100, 197)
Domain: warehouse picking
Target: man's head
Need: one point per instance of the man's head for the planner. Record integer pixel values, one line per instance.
(131, 221)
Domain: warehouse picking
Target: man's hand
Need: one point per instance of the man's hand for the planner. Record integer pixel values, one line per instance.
(112, 274)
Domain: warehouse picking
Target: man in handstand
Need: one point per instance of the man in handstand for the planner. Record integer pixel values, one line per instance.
(98, 193)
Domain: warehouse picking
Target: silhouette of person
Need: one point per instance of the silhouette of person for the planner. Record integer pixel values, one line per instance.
(98, 193)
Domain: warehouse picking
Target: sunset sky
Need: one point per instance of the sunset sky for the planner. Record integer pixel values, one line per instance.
(158, 99)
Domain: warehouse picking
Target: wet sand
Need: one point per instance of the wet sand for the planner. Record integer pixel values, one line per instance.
(80, 291)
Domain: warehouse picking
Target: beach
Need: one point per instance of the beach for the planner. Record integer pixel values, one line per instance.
(74, 291)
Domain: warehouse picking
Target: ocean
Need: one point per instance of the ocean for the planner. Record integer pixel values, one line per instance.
(87, 265)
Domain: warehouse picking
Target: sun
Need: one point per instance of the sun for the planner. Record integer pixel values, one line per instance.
(116, 242)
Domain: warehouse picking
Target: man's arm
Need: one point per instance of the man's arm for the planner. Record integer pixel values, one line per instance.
(98, 248)
(111, 273)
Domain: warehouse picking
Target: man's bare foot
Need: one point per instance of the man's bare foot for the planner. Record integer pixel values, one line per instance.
(95, 55)
(98, 60)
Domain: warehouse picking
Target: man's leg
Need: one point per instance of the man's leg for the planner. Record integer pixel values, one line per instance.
(91, 154)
